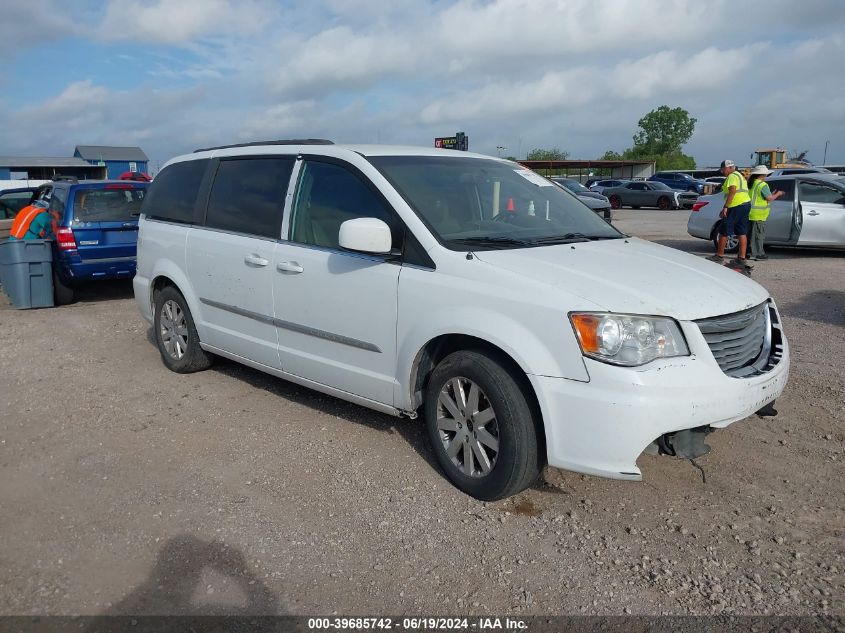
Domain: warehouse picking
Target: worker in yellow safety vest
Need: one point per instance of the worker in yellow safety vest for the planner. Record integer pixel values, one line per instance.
(761, 196)
(734, 214)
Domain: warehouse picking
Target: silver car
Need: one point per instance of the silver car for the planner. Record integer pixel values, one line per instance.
(810, 213)
(648, 194)
(595, 201)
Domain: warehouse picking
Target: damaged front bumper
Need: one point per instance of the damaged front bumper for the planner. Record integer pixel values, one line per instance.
(602, 426)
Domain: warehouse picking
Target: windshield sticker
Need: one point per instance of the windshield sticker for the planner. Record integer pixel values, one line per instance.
(533, 177)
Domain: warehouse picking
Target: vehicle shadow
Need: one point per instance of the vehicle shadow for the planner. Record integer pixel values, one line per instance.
(822, 306)
(412, 431)
(177, 584)
(110, 290)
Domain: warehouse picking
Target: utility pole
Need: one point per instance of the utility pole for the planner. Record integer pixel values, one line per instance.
(824, 160)
(500, 149)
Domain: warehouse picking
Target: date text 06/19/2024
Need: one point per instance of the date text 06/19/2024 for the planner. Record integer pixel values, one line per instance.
(418, 624)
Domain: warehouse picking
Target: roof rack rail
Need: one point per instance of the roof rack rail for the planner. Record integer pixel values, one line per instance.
(294, 141)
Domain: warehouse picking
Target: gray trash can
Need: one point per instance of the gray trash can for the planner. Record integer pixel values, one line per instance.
(26, 272)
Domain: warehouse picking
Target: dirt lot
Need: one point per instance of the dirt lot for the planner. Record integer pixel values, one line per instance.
(128, 489)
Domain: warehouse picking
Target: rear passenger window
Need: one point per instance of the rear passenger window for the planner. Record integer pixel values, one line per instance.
(327, 196)
(173, 192)
(816, 192)
(248, 195)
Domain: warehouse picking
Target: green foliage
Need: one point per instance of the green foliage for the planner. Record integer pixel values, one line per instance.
(611, 155)
(547, 154)
(664, 131)
(513, 158)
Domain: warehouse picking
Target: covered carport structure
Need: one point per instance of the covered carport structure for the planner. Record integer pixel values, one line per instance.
(583, 169)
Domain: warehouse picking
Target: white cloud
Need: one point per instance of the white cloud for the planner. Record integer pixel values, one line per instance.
(178, 22)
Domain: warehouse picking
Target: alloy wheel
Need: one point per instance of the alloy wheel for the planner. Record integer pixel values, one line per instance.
(173, 329)
(466, 423)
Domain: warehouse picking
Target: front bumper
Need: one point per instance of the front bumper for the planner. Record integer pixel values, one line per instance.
(602, 426)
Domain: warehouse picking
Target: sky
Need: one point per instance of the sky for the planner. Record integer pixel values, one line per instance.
(174, 75)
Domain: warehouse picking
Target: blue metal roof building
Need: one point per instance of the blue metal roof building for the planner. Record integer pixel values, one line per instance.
(116, 160)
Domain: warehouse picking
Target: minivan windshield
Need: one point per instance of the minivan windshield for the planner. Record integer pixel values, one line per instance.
(477, 203)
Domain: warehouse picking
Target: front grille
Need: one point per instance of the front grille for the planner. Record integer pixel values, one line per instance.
(742, 343)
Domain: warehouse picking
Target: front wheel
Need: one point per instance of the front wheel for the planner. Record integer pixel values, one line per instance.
(615, 202)
(175, 334)
(481, 427)
(663, 203)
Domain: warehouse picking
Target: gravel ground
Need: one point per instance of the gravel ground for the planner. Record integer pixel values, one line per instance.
(128, 489)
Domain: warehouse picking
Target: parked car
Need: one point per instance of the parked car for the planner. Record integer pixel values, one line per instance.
(648, 194)
(715, 180)
(601, 185)
(96, 237)
(792, 171)
(459, 288)
(811, 213)
(13, 200)
(596, 201)
(679, 181)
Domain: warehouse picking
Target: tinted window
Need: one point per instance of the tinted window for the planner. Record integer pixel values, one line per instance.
(58, 200)
(661, 186)
(326, 197)
(787, 186)
(248, 195)
(11, 203)
(637, 186)
(173, 192)
(106, 205)
(815, 192)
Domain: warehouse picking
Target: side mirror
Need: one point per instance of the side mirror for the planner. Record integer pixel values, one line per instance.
(365, 235)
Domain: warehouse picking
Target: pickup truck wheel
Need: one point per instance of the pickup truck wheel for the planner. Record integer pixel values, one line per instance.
(615, 202)
(175, 334)
(481, 426)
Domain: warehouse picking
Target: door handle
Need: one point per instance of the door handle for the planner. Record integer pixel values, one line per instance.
(255, 260)
(813, 213)
(289, 267)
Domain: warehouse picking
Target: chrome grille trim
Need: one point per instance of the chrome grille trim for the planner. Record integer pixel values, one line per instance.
(746, 343)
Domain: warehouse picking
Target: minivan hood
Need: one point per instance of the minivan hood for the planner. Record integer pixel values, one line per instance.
(634, 276)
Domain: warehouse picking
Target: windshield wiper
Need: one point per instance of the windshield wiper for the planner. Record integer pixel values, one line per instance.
(569, 238)
(491, 241)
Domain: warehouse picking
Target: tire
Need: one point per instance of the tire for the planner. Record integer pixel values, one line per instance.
(732, 245)
(62, 293)
(509, 442)
(663, 203)
(615, 202)
(175, 334)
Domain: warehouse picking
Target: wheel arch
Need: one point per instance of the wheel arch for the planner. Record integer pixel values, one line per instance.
(437, 348)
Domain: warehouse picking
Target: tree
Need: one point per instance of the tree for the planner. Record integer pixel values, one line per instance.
(664, 131)
(611, 155)
(547, 154)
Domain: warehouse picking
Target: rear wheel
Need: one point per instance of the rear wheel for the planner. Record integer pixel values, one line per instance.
(663, 203)
(481, 426)
(62, 293)
(175, 334)
(615, 202)
(731, 246)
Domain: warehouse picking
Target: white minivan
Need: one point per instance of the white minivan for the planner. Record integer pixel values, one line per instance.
(468, 290)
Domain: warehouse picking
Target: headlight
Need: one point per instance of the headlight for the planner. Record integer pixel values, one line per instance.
(627, 339)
